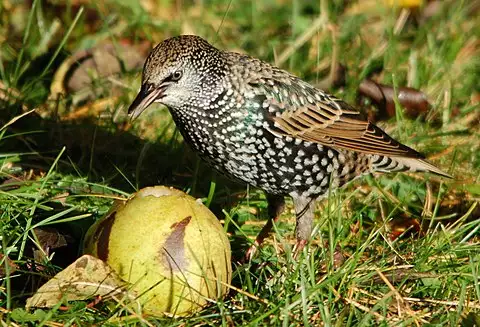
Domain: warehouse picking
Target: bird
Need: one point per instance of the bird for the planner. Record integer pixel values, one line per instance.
(261, 125)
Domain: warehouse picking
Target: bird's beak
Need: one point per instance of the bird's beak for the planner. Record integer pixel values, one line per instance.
(143, 100)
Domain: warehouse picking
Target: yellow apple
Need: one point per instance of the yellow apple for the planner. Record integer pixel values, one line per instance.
(168, 246)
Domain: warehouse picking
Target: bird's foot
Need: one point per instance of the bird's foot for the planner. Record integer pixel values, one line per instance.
(276, 204)
(250, 252)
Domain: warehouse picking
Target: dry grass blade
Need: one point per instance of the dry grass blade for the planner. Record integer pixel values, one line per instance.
(13, 120)
(349, 300)
(401, 304)
(253, 297)
(470, 304)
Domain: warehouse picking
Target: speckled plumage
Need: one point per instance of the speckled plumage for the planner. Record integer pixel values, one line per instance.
(263, 126)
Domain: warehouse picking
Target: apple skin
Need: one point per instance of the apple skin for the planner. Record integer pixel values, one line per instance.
(168, 246)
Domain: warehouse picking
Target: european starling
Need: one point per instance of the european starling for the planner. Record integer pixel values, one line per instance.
(261, 125)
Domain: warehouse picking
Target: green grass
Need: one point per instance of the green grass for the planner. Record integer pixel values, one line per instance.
(65, 173)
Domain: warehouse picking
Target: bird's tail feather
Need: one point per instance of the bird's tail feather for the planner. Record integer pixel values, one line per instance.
(416, 164)
(392, 164)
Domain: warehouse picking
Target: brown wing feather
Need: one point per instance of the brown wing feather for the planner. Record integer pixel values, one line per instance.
(338, 125)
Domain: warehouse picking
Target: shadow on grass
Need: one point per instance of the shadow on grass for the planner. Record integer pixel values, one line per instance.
(116, 158)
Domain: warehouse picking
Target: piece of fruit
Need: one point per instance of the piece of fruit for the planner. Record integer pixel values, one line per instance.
(169, 246)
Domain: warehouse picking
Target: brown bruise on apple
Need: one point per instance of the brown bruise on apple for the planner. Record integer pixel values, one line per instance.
(102, 236)
(172, 253)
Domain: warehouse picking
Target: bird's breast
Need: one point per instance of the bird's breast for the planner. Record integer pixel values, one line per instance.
(239, 144)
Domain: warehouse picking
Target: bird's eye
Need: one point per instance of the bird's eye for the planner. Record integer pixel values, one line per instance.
(176, 76)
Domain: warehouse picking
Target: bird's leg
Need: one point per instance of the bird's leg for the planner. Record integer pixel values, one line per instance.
(276, 204)
(304, 209)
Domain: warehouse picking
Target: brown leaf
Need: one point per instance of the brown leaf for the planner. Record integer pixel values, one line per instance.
(88, 277)
(12, 265)
(415, 102)
(404, 225)
(82, 72)
(50, 239)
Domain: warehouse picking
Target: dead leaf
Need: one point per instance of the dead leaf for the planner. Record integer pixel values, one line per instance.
(11, 264)
(87, 71)
(403, 225)
(91, 109)
(61, 198)
(50, 239)
(415, 102)
(88, 277)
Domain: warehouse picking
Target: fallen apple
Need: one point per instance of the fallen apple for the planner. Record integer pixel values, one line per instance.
(168, 246)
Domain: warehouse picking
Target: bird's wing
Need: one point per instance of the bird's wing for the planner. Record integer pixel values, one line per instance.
(321, 118)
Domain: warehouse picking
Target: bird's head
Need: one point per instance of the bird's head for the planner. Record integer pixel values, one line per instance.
(181, 71)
